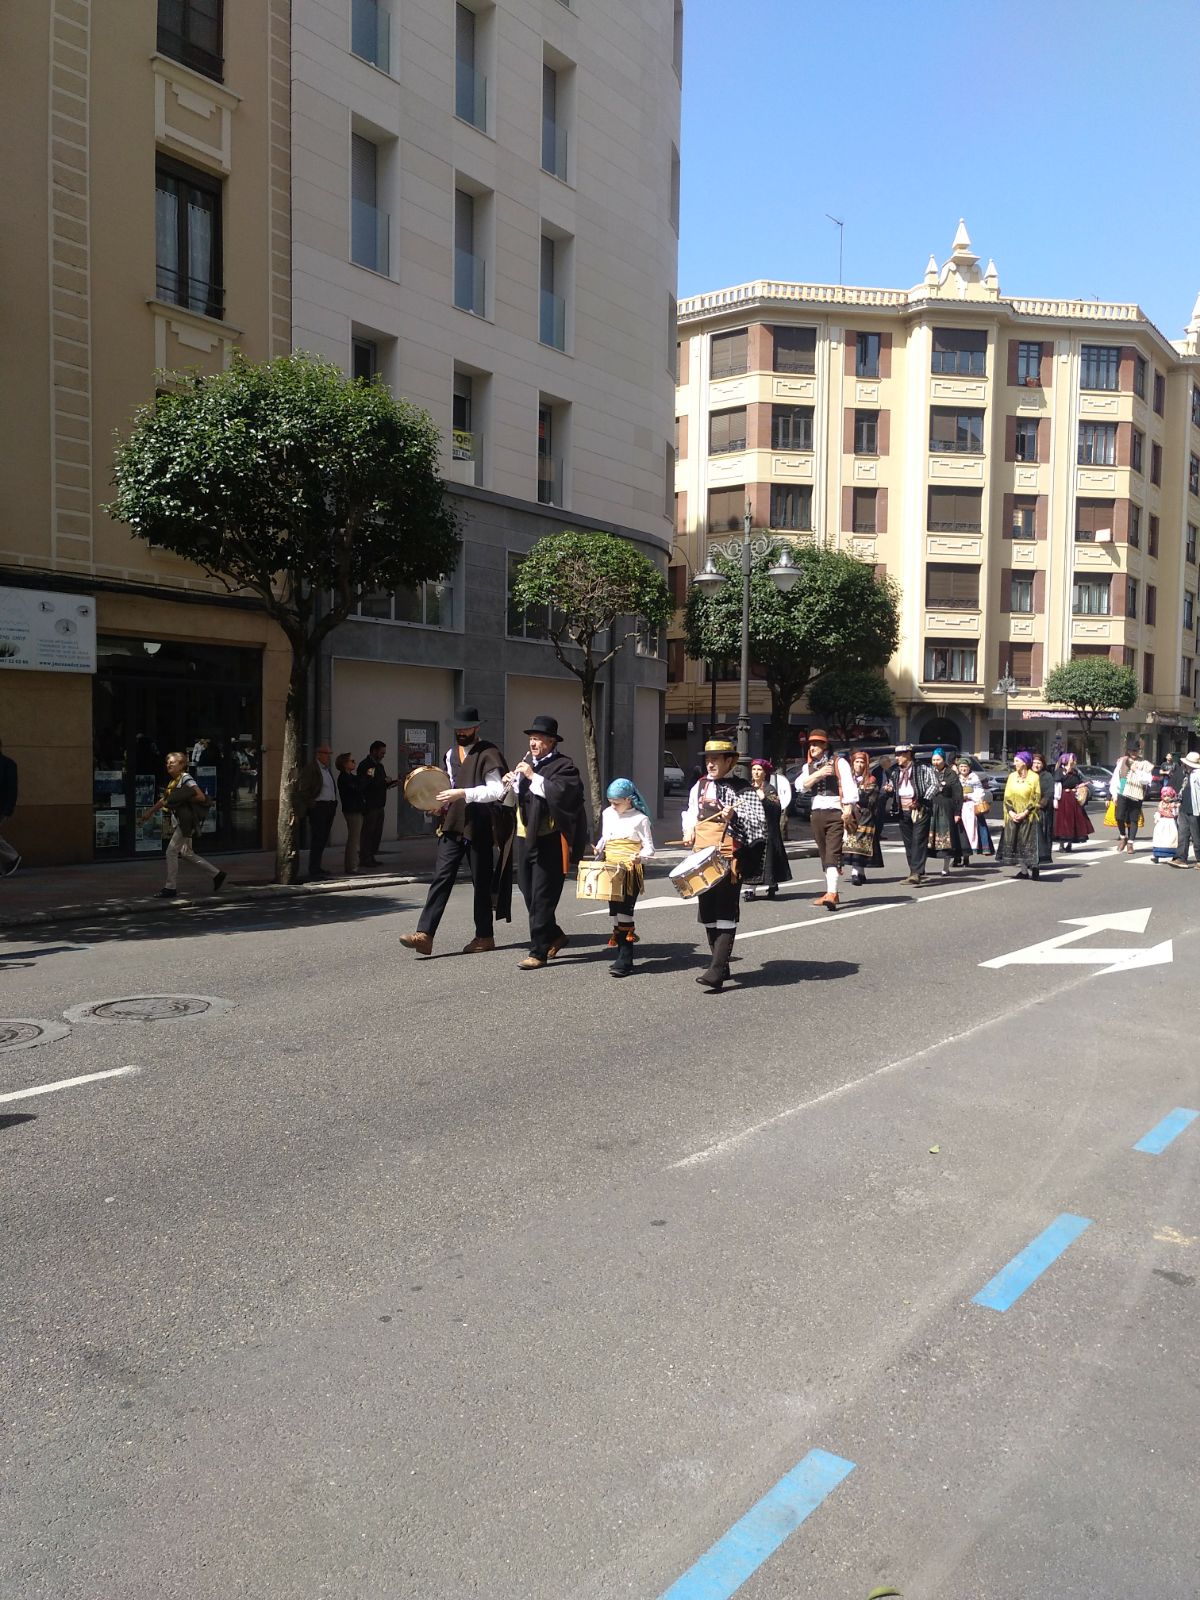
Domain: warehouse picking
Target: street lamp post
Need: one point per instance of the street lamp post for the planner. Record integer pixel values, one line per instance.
(1007, 685)
(784, 574)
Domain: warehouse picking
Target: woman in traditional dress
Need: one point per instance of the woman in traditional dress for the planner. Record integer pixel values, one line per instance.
(775, 869)
(1045, 818)
(1022, 797)
(860, 841)
(1071, 822)
(971, 824)
(625, 836)
(945, 810)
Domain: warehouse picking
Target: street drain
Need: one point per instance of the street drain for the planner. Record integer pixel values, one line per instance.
(150, 1008)
(22, 1033)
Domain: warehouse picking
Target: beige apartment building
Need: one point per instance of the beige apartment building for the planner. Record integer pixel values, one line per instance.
(146, 155)
(486, 216)
(1028, 471)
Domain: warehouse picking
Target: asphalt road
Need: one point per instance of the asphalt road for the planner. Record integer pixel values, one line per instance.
(434, 1278)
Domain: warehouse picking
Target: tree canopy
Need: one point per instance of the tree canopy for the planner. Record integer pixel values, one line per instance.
(840, 614)
(600, 591)
(847, 696)
(1089, 685)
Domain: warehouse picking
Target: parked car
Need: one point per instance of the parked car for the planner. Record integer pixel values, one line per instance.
(1097, 780)
(674, 778)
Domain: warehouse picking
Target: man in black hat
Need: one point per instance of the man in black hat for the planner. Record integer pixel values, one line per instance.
(552, 827)
(473, 824)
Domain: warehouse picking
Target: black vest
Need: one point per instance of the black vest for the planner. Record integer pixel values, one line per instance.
(480, 761)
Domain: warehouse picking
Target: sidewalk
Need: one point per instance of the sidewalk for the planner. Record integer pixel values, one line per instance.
(41, 895)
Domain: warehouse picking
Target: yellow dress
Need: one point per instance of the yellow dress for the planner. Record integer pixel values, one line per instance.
(1019, 846)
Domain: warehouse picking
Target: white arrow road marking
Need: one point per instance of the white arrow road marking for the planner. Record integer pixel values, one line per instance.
(1053, 952)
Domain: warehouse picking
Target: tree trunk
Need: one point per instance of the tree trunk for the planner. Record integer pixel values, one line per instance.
(781, 710)
(591, 757)
(287, 833)
(1087, 738)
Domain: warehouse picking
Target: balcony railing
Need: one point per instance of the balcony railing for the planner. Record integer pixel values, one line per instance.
(960, 363)
(470, 281)
(470, 95)
(802, 362)
(197, 294)
(732, 369)
(371, 32)
(955, 527)
(956, 447)
(370, 237)
(728, 448)
(550, 481)
(801, 442)
(935, 602)
(552, 320)
(554, 148)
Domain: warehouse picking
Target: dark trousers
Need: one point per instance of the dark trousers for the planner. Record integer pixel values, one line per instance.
(828, 831)
(320, 821)
(372, 835)
(1189, 833)
(542, 878)
(452, 847)
(1128, 811)
(915, 837)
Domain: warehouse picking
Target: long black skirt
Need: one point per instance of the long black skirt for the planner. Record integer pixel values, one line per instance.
(1019, 844)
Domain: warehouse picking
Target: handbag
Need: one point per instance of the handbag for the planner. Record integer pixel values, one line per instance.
(982, 807)
(1110, 814)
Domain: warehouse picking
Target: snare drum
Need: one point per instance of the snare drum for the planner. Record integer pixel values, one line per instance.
(699, 871)
(600, 880)
(422, 787)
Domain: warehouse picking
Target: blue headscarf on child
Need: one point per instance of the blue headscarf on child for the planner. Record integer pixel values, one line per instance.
(626, 789)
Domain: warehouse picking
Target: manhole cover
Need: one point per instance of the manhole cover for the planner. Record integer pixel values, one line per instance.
(150, 1008)
(22, 1033)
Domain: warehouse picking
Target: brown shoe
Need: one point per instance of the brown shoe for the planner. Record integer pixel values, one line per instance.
(422, 943)
(829, 901)
(530, 964)
(557, 946)
(819, 901)
(476, 945)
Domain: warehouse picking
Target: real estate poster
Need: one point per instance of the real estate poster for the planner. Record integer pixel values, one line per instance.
(108, 830)
(147, 836)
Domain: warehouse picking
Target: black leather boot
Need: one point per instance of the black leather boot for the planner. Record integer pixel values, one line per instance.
(623, 965)
(721, 943)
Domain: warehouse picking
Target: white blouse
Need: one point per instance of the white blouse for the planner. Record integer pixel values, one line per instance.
(631, 825)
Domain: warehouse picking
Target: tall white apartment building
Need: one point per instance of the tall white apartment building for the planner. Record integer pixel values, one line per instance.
(485, 212)
(1027, 470)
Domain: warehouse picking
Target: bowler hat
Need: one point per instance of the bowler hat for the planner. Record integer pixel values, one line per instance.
(546, 726)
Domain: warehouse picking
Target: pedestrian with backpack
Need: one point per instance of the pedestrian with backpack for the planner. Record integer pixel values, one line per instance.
(187, 805)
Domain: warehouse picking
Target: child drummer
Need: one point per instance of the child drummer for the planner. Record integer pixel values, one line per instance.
(625, 837)
(718, 814)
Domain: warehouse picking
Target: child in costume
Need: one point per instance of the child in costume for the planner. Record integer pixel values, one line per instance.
(1164, 841)
(625, 836)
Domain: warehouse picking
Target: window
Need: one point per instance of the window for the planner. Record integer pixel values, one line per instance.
(551, 439)
(1194, 475)
(960, 350)
(1147, 673)
(187, 238)
(949, 663)
(1024, 517)
(1029, 364)
(677, 354)
(949, 587)
(1099, 366)
(1020, 664)
(674, 192)
(1160, 393)
(1131, 597)
(1090, 597)
(794, 349)
(729, 353)
(370, 33)
(1025, 439)
(680, 438)
(532, 624)
(1156, 463)
(190, 31)
(552, 313)
(864, 510)
(677, 40)
(1151, 605)
(1097, 444)
(1128, 655)
(791, 506)
(955, 510)
(554, 122)
(1020, 594)
(429, 605)
(791, 427)
(953, 430)
(470, 274)
(370, 228)
(866, 355)
(726, 508)
(466, 442)
(364, 360)
(1094, 520)
(1137, 443)
(1185, 675)
(470, 84)
(1152, 537)
(1189, 610)
(866, 433)
(1139, 376)
(726, 431)
(1196, 405)
(675, 661)
(1190, 548)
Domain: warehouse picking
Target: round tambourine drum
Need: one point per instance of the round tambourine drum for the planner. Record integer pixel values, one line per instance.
(422, 787)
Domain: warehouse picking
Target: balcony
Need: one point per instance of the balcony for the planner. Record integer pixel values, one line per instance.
(197, 294)
(554, 148)
(550, 481)
(730, 447)
(470, 95)
(466, 457)
(552, 320)
(959, 363)
(370, 237)
(956, 447)
(957, 527)
(370, 33)
(470, 282)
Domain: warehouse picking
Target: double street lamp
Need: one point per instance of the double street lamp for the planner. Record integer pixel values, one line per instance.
(784, 574)
(1007, 685)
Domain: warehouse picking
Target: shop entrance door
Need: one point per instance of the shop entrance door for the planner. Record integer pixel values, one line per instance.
(417, 745)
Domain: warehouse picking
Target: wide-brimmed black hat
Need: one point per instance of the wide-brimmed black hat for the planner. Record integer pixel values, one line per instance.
(546, 726)
(466, 717)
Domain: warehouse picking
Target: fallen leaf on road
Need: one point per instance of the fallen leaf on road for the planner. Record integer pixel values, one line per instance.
(934, 1150)
(878, 1594)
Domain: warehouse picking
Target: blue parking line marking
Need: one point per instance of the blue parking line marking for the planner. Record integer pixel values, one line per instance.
(725, 1567)
(1157, 1140)
(1011, 1282)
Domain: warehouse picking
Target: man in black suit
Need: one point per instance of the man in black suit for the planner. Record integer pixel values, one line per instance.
(1185, 780)
(10, 859)
(552, 828)
(375, 783)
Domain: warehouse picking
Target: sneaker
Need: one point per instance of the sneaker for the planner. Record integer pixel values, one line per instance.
(12, 866)
(1175, 862)
(167, 894)
(218, 880)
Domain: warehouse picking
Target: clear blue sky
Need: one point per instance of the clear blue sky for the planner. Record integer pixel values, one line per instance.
(1066, 132)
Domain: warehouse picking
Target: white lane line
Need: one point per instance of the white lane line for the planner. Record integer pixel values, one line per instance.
(66, 1083)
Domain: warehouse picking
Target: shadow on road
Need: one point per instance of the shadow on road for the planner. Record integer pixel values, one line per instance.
(11, 1119)
(776, 974)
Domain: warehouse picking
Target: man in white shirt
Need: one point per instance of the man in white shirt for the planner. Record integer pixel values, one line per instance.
(1189, 811)
(830, 782)
(316, 799)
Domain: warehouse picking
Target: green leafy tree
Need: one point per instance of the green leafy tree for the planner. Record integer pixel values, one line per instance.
(285, 480)
(599, 592)
(847, 696)
(838, 615)
(1089, 685)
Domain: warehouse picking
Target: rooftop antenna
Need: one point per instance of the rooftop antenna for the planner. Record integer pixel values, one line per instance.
(840, 225)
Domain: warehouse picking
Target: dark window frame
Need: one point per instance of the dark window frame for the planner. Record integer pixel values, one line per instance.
(1098, 364)
(1029, 363)
(1025, 439)
(794, 421)
(866, 433)
(782, 515)
(866, 363)
(973, 444)
(179, 42)
(179, 294)
(1024, 582)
